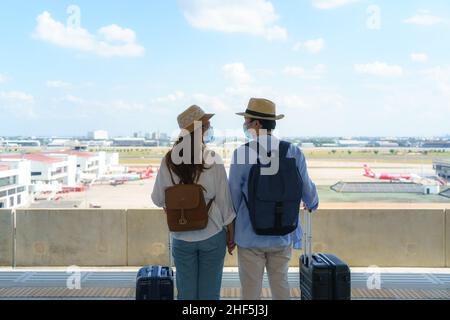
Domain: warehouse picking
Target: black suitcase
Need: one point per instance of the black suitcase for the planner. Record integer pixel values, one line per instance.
(322, 276)
(154, 283)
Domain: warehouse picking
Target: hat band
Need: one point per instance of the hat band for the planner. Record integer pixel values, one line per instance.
(259, 114)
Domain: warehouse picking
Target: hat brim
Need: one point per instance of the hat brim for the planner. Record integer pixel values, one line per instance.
(208, 116)
(277, 117)
(190, 128)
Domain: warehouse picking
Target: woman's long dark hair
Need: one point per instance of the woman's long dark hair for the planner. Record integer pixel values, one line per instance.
(188, 173)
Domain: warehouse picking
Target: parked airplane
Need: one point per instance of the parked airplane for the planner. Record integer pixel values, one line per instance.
(390, 176)
(144, 173)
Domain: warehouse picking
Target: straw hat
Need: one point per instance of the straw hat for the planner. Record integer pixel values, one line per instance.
(261, 109)
(194, 113)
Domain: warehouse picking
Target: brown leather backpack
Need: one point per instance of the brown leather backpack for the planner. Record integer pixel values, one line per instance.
(186, 208)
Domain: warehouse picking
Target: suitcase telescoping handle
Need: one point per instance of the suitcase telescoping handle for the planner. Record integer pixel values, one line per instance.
(307, 236)
(170, 250)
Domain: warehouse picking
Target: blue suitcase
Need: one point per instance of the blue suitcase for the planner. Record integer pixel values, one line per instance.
(154, 283)
(322, 276)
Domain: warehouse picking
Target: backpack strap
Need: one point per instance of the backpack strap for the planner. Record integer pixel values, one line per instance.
(284, 147)
(208, 206)
(171, 176)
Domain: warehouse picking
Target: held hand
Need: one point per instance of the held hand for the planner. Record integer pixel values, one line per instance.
(231, 245)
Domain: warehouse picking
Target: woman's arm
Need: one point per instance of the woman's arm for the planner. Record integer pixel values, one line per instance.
(230, 238)
(161, 183)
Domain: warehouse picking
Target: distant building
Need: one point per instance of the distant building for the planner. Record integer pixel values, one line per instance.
(442, 168)
(129, 142)
(352, 143)
(98, 135)
(62, 143)
(386, 144)
(330, 145)
(23, 143)
(48, 173)
(14, 183)
(436, 144)
(86, 162)
(151, 143)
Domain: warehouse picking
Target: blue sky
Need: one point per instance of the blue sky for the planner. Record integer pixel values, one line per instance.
(333, 67)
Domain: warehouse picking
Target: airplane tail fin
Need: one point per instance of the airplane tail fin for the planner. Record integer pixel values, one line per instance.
(368, 171)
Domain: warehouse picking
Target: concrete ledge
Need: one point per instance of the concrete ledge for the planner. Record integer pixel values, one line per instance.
(6, 238)
(147, 237)
(447, 237)
(386, 238)
(92, 237)
(71, 237)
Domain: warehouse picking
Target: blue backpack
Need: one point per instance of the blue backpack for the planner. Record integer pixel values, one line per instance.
(274, 200)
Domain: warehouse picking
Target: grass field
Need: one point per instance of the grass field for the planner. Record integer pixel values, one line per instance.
(327, 195)
(153, 156)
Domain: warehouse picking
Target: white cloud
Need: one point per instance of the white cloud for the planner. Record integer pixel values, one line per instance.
(295, 102)
(424, 18)
(316, 73)
(17, 104)
(210, 102)
(294, 71)
(115, 33)
(331, 4)
(254, 17)
(71, 99)
(111, 41)
(242, 82)
(121, 105)
(237, 73)
(379, 69)
(419, 57)
(441, 76)
(16, 97)
(2, 78)
(176, 96)
(57, 84)
(316, 99)
(312, 46)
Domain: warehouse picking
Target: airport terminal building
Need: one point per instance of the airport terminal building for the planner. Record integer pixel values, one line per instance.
(442, 168)
(15, 179)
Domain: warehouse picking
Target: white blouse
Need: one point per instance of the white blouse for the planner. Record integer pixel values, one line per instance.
(214, 180)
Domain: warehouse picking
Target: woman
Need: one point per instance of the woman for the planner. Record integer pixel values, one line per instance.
(199, 255)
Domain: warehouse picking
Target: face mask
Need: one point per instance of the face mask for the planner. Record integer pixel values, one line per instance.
(208, 136)
(247, 133)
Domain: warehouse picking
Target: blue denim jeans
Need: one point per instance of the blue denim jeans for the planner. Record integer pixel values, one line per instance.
(199, 267)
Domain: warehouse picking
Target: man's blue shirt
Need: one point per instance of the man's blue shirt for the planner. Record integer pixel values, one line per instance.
(245, 236)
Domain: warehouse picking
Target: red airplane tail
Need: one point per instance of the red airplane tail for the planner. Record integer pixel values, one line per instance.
(368, 171)
(147, 173)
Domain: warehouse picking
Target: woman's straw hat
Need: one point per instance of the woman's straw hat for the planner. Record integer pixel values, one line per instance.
(194, 113)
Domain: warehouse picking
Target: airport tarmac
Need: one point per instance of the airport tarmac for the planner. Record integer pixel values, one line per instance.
(137, 194)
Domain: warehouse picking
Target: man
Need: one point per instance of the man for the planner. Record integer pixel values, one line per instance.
(255, 251)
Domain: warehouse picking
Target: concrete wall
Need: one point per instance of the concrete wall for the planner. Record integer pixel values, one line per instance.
(447, 237)
(386, 238)
(399, 238)
(6, 238)
(147, 235)
(71, 237)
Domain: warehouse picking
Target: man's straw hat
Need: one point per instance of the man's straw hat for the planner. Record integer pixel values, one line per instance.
(261, 109)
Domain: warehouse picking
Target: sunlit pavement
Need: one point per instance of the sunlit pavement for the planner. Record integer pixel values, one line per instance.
(119, 283)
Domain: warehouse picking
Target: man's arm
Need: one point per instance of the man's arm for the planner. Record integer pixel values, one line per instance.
(235, 182)
(309, 191)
